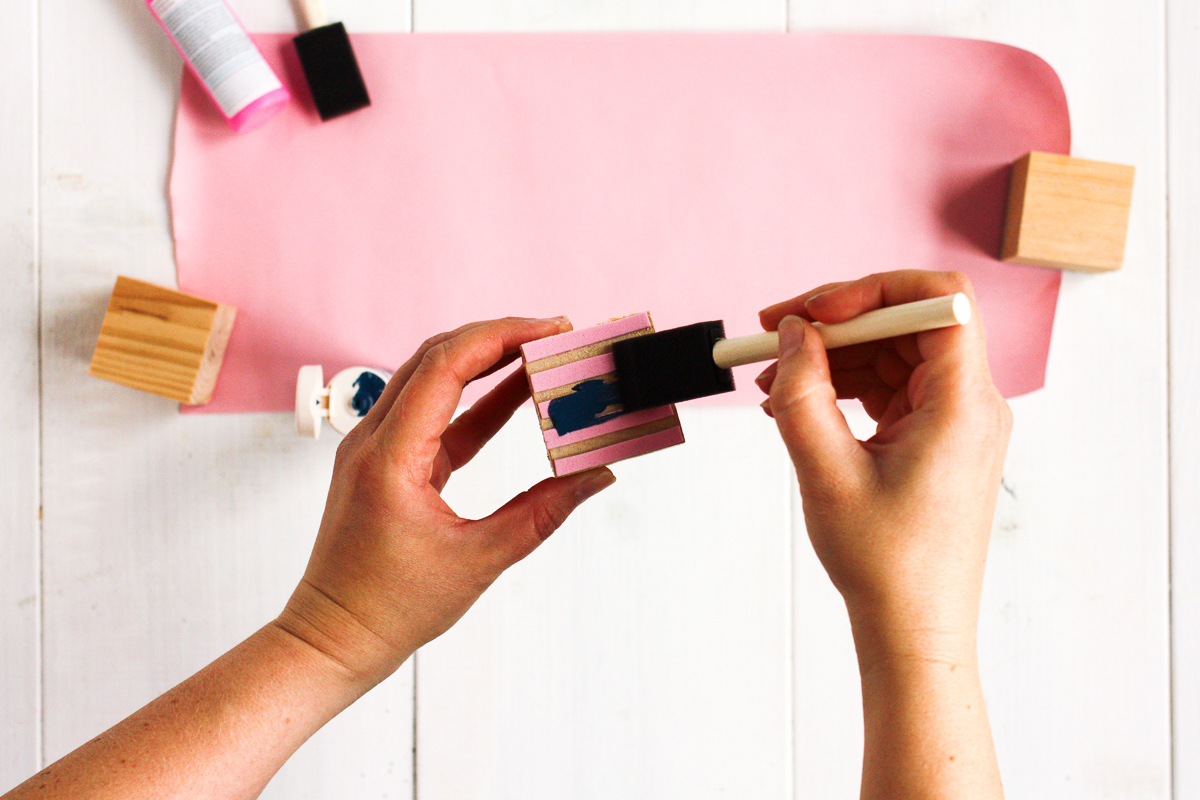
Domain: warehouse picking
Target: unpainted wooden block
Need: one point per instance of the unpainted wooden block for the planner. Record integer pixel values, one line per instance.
(573, 375)
(162, 341)
(1067, 213)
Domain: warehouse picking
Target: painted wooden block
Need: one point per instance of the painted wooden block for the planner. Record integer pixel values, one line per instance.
(578, 405)
(1067, 213)
(162, 341)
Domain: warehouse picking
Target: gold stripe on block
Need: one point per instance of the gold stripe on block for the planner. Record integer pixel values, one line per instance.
(616, 437)
(580, 353)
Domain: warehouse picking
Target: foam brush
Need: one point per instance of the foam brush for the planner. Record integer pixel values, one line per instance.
(697, 360)
(329, 65)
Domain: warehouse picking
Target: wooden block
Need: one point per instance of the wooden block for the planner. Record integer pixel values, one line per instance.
(162, 341)
(1067, 213)
(578, 364)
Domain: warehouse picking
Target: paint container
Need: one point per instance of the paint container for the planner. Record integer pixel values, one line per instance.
(344, 402)
(219, 51)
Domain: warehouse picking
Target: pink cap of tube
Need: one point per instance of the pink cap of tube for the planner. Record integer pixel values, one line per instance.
(259, 111)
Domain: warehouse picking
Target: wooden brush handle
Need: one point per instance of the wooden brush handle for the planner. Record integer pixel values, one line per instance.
(882, 323)
(314, 14)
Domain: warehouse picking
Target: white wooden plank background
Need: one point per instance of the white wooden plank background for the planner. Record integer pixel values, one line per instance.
(20, 608)
(644, 652)
(663, 643)
(1183, 131)
(603, 15)
(167, 539)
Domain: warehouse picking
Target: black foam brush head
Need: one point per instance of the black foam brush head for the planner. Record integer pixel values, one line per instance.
(331, 70)
(670, 366)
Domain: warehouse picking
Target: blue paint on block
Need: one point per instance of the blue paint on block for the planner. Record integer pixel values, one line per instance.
(369, 386)
(584, 407)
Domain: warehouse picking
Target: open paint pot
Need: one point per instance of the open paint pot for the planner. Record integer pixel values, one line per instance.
(344, 402)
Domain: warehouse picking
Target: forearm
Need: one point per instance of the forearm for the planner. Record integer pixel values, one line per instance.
(926, 730)
(223, 733)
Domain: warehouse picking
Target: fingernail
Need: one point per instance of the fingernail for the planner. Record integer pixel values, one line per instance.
(597, 482)
(815, 297)
(765, 378)
(553, 320)
(791, 335)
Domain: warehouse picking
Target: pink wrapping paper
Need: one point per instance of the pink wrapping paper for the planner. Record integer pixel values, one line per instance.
(700, 176)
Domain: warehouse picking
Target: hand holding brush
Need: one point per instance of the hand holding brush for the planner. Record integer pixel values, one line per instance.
(697, 360)
(901, 521)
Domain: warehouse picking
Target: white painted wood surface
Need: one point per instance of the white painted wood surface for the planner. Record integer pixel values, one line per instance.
(643, 651)
(663, 643)
(166, 538)
(20, 407)
(1183, 131)
(598, 15)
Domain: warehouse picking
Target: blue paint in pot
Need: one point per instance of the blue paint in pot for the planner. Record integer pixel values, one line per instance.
(369, 386)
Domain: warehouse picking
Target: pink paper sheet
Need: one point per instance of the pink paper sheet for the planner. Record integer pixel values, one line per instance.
(701, 176)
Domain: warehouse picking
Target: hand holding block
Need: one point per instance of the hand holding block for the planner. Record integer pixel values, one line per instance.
(162, 341)
(583, 424)
(1067, 213)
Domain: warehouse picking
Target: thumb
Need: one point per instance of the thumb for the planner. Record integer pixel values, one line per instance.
(527, 520)
(804, 404)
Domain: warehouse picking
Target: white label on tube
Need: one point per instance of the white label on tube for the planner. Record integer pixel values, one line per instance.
(219, 51)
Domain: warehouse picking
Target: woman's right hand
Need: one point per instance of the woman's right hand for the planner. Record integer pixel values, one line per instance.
(901, 521)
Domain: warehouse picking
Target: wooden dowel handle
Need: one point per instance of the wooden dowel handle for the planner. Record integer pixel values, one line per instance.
(314, 14)
(882, 323)
(746, 350)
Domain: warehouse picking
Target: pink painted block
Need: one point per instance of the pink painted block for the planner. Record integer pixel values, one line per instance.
(555, 439)
(619, 452)
(552, 345)
(584, 369)
(572, 373)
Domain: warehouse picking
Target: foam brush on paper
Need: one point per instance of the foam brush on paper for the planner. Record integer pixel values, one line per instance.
(329, 64)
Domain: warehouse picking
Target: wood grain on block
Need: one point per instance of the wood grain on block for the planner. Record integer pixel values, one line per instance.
(1067, 213)
(557, 364)
(162, 341)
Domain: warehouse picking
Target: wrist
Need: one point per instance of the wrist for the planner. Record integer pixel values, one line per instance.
(889, 639)
(302, 670)
(925, 721)
(338, 642)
